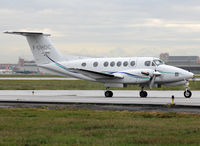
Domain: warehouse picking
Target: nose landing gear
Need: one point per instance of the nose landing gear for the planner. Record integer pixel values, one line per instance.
(187, 92)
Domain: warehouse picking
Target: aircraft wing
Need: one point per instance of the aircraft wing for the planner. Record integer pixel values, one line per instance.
(96, 75)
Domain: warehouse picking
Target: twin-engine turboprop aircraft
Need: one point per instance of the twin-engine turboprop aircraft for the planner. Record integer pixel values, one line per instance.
(112, 72)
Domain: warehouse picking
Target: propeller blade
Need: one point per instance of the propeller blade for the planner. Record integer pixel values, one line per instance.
(194, 78)
(152, 82)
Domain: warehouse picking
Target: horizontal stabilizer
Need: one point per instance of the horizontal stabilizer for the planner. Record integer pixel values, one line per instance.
(26, 33)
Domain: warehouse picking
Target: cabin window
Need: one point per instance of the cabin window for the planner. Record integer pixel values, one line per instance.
(176, 74)
(112, 64)
(125, 63)
(119, 63)
(83, 64)
(153, 64)
(132, 63)
(105, 64)
(147, 63)
(95, 64)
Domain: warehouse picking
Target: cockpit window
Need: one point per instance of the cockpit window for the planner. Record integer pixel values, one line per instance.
(158, 62)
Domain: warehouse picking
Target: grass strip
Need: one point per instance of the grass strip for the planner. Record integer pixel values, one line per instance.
(74, 85)
(68, 126)
(27, 76)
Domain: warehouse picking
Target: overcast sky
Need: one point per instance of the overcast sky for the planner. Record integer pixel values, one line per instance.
(103, 27)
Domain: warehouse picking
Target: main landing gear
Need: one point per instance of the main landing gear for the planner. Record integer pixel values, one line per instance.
(143, 93)
(108, 93)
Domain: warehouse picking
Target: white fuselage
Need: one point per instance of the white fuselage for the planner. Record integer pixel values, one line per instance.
(128, 67)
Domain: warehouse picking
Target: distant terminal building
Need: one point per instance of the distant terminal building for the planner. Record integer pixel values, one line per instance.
(191, 63)
(164, 57)
(7, 68)
(26, 67)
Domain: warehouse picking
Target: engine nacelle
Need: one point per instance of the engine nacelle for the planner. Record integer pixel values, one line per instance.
(137, 75)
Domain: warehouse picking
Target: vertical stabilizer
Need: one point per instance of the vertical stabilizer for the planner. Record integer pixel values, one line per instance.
(41, 47)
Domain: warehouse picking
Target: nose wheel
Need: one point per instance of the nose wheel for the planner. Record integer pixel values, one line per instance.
(187, 94)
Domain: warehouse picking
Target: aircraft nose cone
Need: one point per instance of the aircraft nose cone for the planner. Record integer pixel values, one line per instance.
(190, 75)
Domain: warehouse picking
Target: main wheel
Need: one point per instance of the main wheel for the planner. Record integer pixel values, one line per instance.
(108, 94)
(187, 94)
(143, 94)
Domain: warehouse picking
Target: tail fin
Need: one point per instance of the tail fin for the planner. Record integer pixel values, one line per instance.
(41, 47)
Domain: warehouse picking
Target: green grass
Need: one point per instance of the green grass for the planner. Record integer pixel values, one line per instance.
(69, 126)
(48, 85)
(73, 85)
(21, 76)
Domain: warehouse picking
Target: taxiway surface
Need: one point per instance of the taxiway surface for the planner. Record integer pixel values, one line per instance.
(97, 96)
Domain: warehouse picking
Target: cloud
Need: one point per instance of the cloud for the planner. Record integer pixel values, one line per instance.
(154, 22)
(117, 52)
(8, 11)
(50, 12)
(114, 27)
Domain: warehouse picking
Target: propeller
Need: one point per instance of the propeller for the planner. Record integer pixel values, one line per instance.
(153, 78)
(194, 79)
